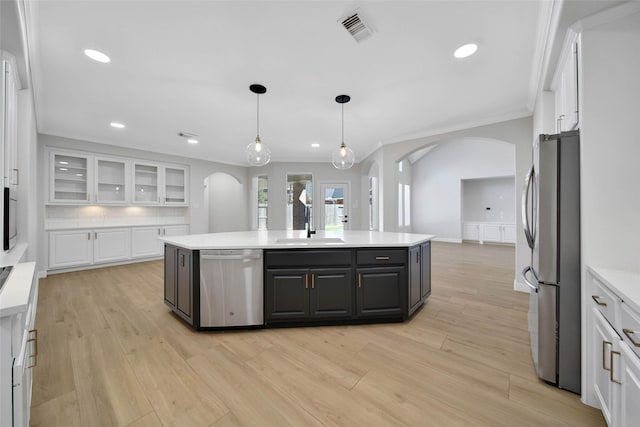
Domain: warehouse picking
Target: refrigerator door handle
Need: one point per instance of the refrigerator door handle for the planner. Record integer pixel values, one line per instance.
(527, 269)
(528, 180)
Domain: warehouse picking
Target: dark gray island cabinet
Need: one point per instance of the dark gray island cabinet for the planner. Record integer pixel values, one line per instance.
(310, 283)
(330, 286)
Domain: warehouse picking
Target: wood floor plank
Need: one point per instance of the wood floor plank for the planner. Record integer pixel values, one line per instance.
(112, 354)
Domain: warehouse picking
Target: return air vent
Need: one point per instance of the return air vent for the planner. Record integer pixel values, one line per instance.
(356, 27)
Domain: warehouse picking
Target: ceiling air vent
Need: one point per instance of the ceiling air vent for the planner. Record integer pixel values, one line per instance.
(356, 27)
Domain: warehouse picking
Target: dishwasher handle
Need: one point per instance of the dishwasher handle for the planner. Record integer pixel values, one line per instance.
(229, 257)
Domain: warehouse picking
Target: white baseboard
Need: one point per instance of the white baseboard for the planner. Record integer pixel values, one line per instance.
(446, 240)
(42, 274)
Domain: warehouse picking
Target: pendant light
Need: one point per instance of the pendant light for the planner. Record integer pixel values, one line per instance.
(342, 157)
(258, 154)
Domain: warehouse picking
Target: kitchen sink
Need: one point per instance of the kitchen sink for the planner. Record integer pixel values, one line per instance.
(311, 241)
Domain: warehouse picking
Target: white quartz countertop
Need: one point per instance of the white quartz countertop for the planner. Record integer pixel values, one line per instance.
(296, 239)
(625, 284)
(85, 225)
(14, 296)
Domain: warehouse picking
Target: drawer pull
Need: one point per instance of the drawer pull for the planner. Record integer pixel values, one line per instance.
(595, 298)
(604, 358)
(359, 280)
(628, 333)
(306, 281)
(611, 371)
(313, 281)
(382, 258)
(35, 348)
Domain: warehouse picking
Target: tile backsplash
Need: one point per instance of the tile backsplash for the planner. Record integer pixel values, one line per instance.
(57, 217)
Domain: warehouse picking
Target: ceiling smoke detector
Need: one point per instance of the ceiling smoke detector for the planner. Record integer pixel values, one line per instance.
(356, 27)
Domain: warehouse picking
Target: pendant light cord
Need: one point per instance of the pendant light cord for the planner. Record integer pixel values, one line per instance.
(342, 123)
(258, 116)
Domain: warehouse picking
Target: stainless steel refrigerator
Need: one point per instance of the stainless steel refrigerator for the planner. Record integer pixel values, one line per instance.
(551, 218)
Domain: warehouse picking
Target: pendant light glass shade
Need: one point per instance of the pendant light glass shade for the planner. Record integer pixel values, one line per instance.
(257, 153)
(343, 157)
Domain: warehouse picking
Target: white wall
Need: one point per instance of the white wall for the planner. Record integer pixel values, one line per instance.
(227, 203)
(437, 181)
(497, 194)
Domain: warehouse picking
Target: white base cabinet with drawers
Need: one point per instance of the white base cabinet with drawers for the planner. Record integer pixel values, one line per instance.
(613, 377)
(86, 247)
(18, 345)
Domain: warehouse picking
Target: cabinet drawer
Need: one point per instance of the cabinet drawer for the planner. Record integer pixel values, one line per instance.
(606, 302)
(630, 327)
(310, 258)
(381, 257)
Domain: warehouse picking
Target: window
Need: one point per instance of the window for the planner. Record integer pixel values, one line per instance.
(263, 202)
(404, 205)
(299, 201)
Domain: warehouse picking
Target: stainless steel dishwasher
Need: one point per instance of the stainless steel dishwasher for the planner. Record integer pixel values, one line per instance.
(231, 290)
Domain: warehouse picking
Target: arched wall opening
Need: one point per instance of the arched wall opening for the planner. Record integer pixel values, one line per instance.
(225, 196)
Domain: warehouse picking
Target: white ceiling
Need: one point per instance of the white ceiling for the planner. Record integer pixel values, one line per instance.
(187, 66)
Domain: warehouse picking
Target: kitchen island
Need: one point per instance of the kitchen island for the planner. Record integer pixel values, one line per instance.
(283, 278)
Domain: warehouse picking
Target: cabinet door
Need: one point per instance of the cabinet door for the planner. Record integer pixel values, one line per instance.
(331, 293)
(184, 295)
(286, 294)
(170, 274)
(425, 260)
(175, 186)
(146, 183)
(604, 341)
(112, 177)
(570, 89)
(415, 295)
(381, 291)
(70, 178)
(629, 414)
(471, 231)
(491, 233)
(22, 382)
(111, 245)
(509, 233)
(145, 242)
(70, 248)
(9, 135)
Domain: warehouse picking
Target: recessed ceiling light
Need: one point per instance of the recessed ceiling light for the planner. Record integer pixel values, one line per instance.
(64, 169)
(78, 174)
(117, 125)
(96, 55)
(315, 145)
(62, 162)
(465, 50)
(192, 141)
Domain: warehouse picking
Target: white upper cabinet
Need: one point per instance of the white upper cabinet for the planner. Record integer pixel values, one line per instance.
(112, 183)
(175, 186)
(566, 88)
(9, 120)
(146, 184)
(158, 184)
(76, 178)
(70, 178)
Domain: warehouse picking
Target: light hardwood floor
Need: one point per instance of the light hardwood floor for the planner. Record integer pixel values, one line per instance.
(111, 354)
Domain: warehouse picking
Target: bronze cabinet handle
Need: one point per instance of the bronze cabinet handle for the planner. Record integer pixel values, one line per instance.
(628, 333)
(306, 281)
(611, 363)
(604, 351)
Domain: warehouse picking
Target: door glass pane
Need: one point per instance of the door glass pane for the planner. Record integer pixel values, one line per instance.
(146, 183)
(70, 178)
(174, 185)
(299, 201)
(263, 202)
(111, 181)
(334, 203)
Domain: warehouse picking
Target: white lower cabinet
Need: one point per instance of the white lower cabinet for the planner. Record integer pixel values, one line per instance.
(614, 349)
(145, 242)
(489, 232)
(77, 248)
(18, 347)
(70, 248)
(111, 245)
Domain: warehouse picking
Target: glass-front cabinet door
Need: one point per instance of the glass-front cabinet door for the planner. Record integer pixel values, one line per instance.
(146, 184)
(70, 178)
(111, 180)
(175, 185)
